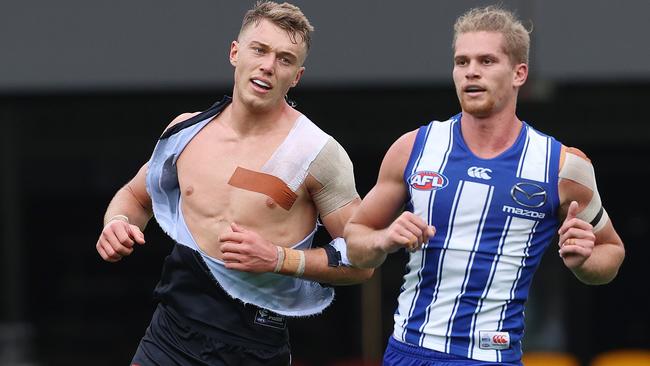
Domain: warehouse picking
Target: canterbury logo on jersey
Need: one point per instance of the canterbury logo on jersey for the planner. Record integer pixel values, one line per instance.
(494, 340)
(480, 173)
(428, 181)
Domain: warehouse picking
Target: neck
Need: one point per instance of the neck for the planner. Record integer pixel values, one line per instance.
(248, 121)
(487, 137)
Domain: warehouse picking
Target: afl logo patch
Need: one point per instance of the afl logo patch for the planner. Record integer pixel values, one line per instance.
(428, 181)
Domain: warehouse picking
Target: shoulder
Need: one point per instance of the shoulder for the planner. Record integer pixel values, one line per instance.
(180, 118)
(576, 166)
(577, 177)
(572, 152)
(397, 157)
(332, 164)
(400, 150)
(332, 156)
(333, 184)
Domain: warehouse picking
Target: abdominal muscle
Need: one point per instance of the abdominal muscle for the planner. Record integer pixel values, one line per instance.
(209, 211)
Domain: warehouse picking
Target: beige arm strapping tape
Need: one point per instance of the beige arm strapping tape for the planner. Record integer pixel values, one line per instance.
(293, 262)
(333, 169)
(581, 171)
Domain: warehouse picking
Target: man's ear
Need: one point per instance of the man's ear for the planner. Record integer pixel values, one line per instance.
(298, 76)
(521, 74)
(234, 50)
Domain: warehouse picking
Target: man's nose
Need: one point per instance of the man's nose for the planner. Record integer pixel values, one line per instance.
(267, 64)
(473, 70)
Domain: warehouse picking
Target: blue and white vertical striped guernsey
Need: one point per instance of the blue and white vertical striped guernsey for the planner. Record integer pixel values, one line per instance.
(464, 293)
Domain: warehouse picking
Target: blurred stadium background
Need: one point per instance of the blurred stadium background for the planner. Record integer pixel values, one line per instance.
(86, 87)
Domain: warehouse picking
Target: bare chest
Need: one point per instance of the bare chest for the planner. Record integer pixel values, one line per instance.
(211, 203)
(209, 160)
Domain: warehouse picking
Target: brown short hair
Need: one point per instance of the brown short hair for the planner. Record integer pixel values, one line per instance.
(286, 16)
(496, 19)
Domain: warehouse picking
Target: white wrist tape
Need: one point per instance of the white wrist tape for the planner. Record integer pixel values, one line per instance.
(118, 217)
(280, 261)
(301, 266)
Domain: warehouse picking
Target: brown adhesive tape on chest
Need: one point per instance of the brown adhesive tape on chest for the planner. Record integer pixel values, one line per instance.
(266, 184)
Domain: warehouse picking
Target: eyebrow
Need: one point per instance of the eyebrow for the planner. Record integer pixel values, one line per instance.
(490, 55)
(481, 55)
(281, 53)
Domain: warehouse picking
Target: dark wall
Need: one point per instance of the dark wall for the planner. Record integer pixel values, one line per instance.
(81, 45)
(65, 155)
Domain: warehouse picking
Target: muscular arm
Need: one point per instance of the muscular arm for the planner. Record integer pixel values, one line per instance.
(316, 264)
(330, 184)
(132, 201)
(602, 264)
(332, 187)
(246, 250)
(594, 255)
(127, 215)
(374, 231)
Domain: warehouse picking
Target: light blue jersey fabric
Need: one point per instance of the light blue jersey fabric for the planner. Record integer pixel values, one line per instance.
(281, 294)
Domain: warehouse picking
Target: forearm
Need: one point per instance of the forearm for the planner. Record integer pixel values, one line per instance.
(317, 269)
(602, 266)
(362, 251)
(126, 203)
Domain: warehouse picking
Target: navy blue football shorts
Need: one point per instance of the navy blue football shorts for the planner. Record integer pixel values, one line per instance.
(402, 354)
(171, 340)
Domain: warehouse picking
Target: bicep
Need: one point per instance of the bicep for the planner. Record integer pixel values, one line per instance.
(386, 199)
(335, 221)
(137, 187)
(382, 204)
(332, 187)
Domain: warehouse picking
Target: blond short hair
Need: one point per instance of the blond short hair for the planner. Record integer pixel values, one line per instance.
(496, 19)
(286, 16)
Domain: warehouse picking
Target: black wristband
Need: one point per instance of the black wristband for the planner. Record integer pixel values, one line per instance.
(333, 256)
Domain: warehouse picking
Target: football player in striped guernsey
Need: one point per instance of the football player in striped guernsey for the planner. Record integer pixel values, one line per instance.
(482, 194)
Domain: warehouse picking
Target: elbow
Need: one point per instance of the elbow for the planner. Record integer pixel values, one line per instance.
(359, 261)
(364, 265)
(605, 269)
(602, 277)
(353, 276)
(353, 258)
(597, 281)
(611, 274)
(366, 274)
(360, 275)
(358, 252)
